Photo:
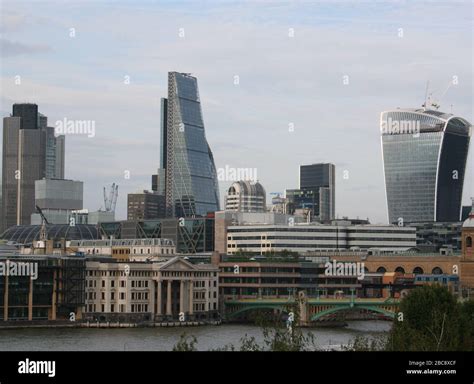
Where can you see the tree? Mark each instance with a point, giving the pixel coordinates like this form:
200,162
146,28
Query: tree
186,344
429,320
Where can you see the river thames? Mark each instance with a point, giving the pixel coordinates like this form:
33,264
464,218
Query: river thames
163,339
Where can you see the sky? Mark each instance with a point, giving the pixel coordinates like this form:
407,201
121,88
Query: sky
281,83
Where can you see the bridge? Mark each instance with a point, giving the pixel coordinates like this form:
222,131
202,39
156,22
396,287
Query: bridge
314,309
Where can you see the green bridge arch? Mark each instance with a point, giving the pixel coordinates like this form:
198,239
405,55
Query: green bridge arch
329,311
255,307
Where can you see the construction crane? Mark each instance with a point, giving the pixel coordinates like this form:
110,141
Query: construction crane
429,101
43,235
43,217
111,201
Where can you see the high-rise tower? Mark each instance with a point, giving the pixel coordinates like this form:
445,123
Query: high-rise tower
191,186
24,161
424,155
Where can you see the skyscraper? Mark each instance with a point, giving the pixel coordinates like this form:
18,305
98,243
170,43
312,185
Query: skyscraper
24,159
54,154
30,152
424,156
191,179
317,191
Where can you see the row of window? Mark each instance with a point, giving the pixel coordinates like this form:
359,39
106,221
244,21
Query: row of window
140,308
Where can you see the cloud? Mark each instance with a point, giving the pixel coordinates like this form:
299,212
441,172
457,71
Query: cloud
14,48
283,80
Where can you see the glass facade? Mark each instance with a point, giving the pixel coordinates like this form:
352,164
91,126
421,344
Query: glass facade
191,178
321,179
424,164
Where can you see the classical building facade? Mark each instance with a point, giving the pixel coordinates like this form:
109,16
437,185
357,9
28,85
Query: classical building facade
125,249
176,290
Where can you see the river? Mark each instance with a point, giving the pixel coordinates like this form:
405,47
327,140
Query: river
163,339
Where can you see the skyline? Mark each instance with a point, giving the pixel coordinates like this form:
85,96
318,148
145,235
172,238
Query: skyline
281,82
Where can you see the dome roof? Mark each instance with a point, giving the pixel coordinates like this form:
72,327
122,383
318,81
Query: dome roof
247,188
469,222
25,234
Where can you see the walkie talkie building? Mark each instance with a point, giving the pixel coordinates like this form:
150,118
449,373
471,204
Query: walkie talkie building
424,155
191,186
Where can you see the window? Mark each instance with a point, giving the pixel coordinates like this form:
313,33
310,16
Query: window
469,241
418,271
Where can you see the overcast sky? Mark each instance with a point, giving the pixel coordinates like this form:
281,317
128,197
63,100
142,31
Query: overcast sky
327,68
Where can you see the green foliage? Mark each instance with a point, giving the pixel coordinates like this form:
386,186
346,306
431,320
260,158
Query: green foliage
186,344
365,344
433,320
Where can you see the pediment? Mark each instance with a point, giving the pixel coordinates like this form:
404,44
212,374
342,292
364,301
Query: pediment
178,264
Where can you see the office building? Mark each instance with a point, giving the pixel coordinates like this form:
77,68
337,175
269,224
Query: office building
30,152
191,235
316,194
316,201
57,199
145,205
57,291
246,196
191,177
55,153
24,157
59,194
225,219
301,238
424,157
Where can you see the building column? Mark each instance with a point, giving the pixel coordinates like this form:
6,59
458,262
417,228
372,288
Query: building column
206,304
53,299
168,299
5,299
181,296
158,300
152,301
191,292
30,300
